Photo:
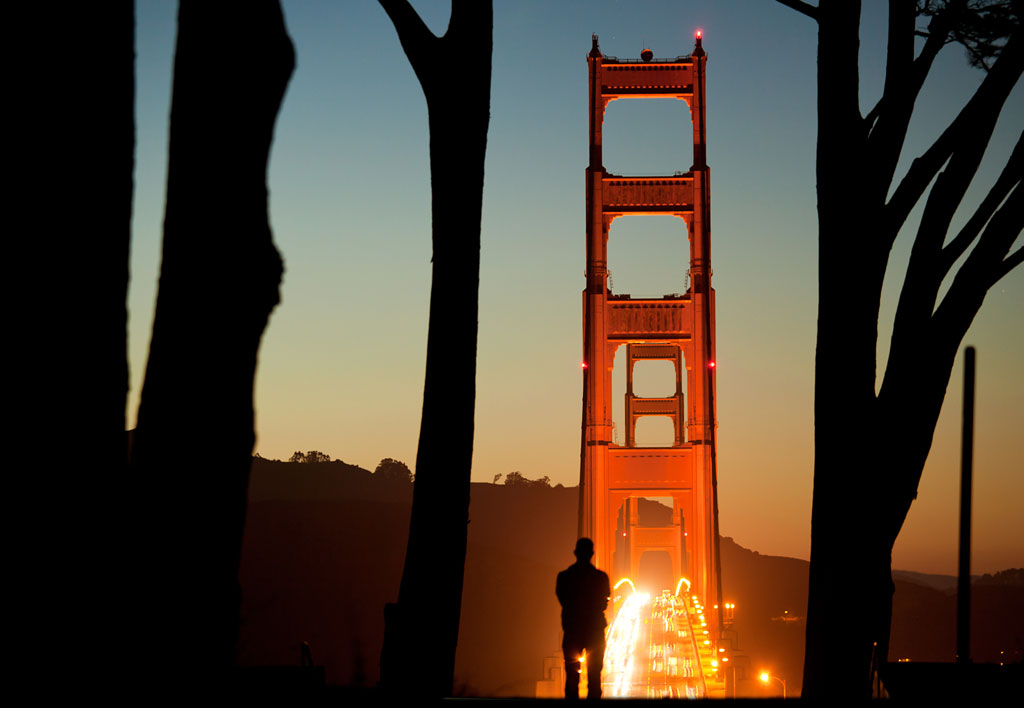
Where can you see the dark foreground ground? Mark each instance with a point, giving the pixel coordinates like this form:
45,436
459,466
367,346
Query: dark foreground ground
324,547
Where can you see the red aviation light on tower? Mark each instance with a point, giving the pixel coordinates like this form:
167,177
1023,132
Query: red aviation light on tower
700,34
583,364
711,364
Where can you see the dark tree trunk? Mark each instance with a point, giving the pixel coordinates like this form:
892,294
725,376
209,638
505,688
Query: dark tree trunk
71,145
455,73
870,450
844,370
219,282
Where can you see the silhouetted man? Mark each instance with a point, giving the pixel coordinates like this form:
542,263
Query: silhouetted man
583,591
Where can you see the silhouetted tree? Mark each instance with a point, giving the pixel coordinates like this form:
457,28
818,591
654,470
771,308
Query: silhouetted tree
391,470
219,282
455,73
70,113
312,457
516,479
850,592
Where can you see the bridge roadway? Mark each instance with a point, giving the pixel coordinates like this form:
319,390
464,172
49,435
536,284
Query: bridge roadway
652,649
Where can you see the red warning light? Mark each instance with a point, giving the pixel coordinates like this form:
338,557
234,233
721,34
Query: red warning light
711,364
583,364
700,33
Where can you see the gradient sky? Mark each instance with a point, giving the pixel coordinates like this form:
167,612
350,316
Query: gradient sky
341,365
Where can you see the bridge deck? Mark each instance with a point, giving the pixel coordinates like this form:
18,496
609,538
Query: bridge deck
654,651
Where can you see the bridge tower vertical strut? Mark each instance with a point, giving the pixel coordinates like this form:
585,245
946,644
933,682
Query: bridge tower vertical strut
675,328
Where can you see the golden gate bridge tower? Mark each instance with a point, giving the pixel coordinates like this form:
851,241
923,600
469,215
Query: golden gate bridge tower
675,328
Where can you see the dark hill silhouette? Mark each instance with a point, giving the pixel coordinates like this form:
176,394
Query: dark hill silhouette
323,552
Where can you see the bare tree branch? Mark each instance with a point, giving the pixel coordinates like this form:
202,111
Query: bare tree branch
1010,176
984,267
1009,263
801,7
413,33
980,112
928,263
937,38
887,122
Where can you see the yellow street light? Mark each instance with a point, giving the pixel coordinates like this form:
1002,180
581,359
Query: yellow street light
766,677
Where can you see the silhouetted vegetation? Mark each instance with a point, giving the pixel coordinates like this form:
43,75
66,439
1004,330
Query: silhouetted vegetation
70,107
391,470
851,586
516,479
424,623
219,280
311,457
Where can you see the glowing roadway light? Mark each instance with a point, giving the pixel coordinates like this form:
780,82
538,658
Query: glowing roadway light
624,580
680,583
622,642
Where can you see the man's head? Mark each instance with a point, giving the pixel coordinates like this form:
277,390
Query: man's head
584,549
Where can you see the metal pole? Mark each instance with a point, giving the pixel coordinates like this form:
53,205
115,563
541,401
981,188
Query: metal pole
963,593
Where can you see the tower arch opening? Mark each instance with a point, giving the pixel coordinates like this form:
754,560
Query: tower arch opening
641,137
648,256
655,572
654,431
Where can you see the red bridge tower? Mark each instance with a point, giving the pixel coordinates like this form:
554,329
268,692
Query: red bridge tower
679,328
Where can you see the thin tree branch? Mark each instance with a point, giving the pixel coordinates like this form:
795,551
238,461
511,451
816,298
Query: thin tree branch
801,7
887,122
984,267
1010,176
928,265
981,110
413,33
1009,263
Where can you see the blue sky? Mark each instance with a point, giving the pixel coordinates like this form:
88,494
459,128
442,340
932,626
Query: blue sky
341,365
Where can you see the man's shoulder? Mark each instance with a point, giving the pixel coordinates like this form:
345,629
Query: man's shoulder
583,570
